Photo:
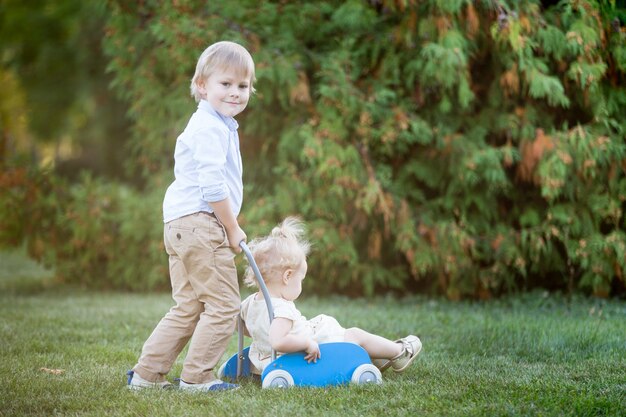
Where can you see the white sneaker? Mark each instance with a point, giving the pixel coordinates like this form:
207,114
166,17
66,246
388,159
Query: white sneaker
136,382
216,385
411,347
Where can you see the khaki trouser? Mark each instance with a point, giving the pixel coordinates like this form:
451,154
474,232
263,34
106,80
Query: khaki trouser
206,292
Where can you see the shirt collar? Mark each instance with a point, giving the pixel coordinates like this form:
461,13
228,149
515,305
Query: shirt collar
228,121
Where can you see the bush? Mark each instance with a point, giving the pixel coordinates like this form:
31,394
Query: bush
464,148
95,234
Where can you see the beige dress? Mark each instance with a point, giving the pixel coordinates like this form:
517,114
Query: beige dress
321,328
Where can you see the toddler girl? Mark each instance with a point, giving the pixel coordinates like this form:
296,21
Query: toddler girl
281,258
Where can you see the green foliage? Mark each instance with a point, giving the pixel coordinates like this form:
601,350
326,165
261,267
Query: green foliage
43,55
55,103
453,147
432,145
95,234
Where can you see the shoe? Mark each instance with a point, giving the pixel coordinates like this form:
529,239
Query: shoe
216,385
381,364
384,364
411,348
136,382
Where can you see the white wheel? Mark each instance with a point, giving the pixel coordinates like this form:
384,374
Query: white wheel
367,374
278,378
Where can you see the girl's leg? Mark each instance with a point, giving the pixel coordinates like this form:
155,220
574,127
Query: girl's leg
376,346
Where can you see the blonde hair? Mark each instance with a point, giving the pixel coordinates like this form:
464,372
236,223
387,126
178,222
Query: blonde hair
222,55
284,248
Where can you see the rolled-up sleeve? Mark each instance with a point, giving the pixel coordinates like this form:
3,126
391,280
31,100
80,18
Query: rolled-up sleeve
210,151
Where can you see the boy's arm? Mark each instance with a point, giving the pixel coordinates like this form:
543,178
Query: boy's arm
282,341
226,216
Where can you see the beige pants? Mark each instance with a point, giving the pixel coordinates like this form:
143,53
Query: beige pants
206,292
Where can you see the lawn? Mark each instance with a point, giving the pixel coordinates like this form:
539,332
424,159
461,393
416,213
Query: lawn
65,352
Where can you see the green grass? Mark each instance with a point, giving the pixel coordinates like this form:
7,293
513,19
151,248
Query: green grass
529,355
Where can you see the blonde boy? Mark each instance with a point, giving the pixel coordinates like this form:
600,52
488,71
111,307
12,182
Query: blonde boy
201,231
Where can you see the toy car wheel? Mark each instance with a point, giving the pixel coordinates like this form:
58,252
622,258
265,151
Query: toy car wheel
367,374
278,378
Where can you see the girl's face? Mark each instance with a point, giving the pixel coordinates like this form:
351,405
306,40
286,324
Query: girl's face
293,282
227,91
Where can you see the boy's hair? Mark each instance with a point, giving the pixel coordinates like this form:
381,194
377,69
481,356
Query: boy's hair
222,55
284,248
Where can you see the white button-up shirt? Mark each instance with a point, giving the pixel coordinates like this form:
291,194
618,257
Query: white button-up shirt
207,165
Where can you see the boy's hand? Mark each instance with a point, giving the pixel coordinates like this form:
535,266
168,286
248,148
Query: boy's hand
225,215
235,236
313,352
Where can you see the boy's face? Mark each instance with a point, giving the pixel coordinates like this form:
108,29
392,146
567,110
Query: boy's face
227,91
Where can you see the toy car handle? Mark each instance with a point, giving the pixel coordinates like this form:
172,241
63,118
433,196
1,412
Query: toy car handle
259,278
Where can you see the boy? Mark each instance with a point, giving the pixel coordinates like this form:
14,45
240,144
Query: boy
201,232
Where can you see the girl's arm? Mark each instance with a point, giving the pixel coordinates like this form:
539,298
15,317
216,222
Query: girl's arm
282,341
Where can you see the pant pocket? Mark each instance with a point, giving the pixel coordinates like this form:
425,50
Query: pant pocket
178,239
212,233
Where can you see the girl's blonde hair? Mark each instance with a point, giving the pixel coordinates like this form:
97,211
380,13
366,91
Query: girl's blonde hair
284,248
222,55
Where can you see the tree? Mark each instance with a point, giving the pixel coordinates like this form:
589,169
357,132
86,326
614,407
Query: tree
51,53
469,147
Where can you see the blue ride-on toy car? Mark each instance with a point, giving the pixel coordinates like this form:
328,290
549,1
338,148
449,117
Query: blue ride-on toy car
340,363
